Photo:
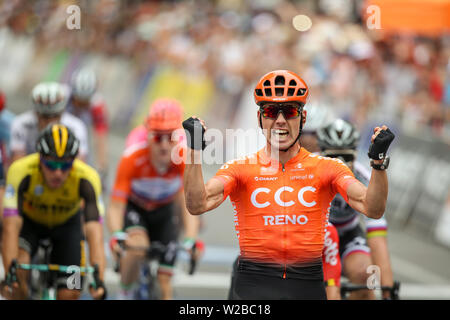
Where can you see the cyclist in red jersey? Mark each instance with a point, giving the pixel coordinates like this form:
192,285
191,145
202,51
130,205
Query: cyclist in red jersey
331,261
147,198
281,195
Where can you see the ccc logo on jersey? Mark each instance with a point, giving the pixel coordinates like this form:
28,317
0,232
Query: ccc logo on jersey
277,197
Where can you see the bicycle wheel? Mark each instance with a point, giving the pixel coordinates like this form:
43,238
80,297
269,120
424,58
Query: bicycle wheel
142,292
153,290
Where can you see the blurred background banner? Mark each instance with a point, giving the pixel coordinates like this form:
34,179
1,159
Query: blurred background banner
415,17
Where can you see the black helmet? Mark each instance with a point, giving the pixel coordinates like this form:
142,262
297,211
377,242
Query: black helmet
58,141
338,135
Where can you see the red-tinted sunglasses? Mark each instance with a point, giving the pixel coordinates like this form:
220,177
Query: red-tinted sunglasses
272,110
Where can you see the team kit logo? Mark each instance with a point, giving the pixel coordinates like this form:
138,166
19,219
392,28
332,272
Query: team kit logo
282,218
277,197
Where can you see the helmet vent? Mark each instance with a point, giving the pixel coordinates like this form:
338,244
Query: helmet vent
267,83
268,92
292,82
301,92
279,92
291,92
259,92
279,81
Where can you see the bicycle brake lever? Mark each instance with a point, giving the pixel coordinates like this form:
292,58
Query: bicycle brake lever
11,277
193,262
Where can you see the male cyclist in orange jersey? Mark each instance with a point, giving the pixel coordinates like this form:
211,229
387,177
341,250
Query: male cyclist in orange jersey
147,198
281,195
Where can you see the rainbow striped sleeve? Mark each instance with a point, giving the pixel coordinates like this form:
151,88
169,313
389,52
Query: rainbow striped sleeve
376,227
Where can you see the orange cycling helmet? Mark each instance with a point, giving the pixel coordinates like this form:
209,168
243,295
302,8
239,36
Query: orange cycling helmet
164,115
281,86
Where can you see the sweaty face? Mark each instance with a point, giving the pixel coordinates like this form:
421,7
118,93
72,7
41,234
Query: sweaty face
55,171
280,132
161,146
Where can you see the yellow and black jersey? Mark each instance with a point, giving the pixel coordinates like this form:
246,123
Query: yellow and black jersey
27,194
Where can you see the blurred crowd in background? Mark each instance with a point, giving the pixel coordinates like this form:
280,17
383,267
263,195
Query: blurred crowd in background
209,53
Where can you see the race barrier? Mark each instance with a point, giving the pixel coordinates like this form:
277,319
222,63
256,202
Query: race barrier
419,183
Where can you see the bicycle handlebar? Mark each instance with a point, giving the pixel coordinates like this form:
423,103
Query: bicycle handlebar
156,249
98,282
11,276
393,290
53,267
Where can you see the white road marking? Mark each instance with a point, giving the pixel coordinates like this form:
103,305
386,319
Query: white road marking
206,280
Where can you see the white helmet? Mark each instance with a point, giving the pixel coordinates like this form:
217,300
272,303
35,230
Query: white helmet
84,84
339,134
49,98
317,116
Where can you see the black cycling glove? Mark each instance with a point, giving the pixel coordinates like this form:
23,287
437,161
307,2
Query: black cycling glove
381,144
100,284
195,134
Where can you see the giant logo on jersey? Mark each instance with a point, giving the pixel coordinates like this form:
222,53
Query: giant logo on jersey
277,197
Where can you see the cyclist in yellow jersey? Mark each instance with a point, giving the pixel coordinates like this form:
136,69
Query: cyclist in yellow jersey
43,196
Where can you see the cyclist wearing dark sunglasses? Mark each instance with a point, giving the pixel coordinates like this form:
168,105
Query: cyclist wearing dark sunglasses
43,199
281,195
359,248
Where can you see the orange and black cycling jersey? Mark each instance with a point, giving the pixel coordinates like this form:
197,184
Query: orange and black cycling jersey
139,182
281,211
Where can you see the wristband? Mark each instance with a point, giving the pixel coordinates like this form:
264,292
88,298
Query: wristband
381,166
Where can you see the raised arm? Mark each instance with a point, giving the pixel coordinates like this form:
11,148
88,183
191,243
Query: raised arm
200,197
371,201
